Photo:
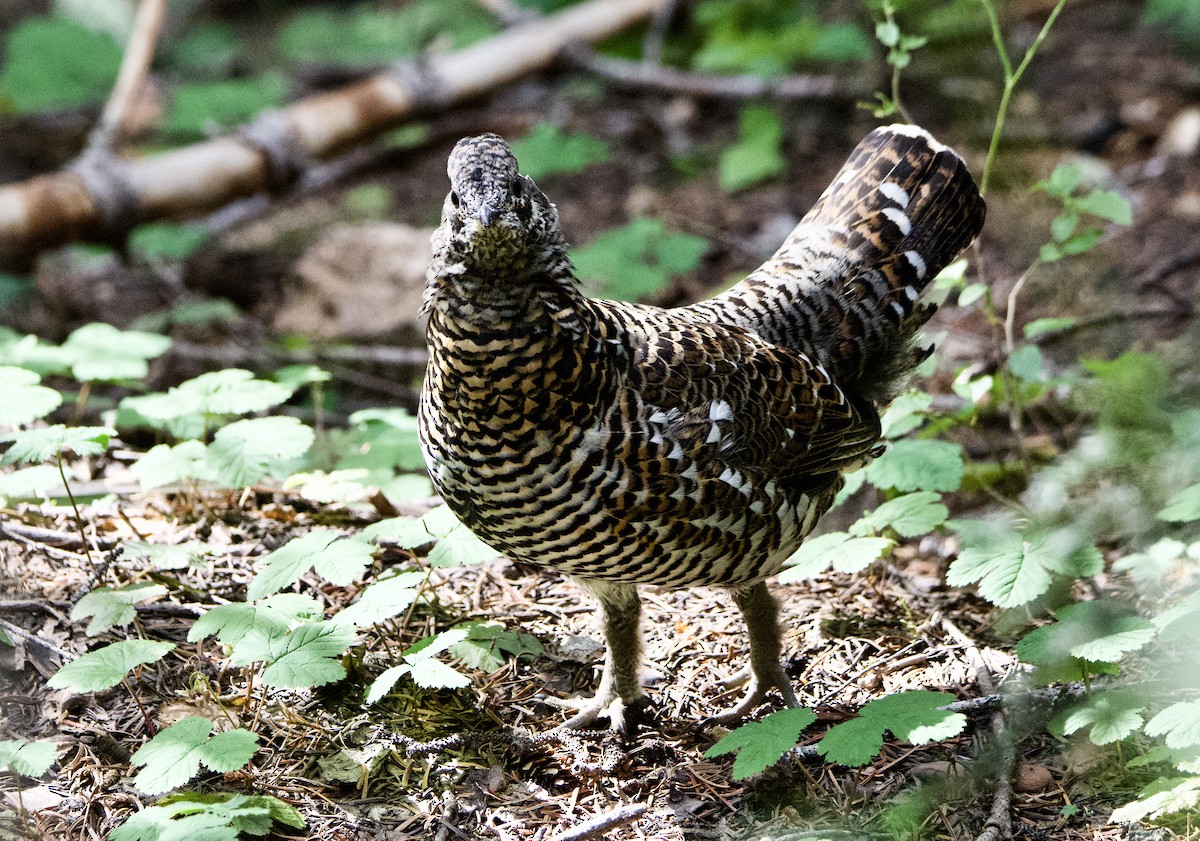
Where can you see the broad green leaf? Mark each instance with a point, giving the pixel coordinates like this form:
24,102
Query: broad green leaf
1011,569
914,716
420,662
50,62
107,666
32,759
1041,326
107,606
340,486
231,391
905,413
757,155
196,106
102,352
1026,362
195,816
971,293
307,656
837,549
298,376
24,400
1183,507
31,482
1171,795
164,465
382,685
175,754
335,558
169,241
32,446
1105,204
488,644
852,743
761,744
1181,621
381,441
547,150
910,515
385,599
246,451
272,617
1087,632
1179,724
1111,717
918,465
1063,180
460,547
164,555
638,259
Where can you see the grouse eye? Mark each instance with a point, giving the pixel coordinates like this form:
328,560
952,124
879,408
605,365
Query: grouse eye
454,199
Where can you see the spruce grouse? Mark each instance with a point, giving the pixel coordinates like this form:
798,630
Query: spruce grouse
625,444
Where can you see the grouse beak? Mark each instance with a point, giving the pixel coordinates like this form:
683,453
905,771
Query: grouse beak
488,213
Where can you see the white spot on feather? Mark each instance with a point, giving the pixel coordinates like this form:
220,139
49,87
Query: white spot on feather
659,416
917,263
894,192
719,410
731,477
714,434
899,309
676,452
899,219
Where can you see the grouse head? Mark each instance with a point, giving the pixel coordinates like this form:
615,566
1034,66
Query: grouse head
496,224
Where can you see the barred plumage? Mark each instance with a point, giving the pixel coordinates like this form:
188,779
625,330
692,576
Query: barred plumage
626,444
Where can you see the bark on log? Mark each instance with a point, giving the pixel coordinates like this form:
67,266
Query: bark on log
101,198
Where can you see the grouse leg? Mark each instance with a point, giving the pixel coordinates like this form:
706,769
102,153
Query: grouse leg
619,689
761,613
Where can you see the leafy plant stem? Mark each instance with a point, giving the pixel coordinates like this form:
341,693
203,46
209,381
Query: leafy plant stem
889,13
150,728
75,507
1011,78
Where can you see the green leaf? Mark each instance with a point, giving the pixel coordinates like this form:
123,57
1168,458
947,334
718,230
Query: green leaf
298,376
459,547
31,482
31,446
905,413
1013,569
420,662
887,33
547,150
108,607
1183,507
50,62
913,716
175,754
107,666
1106,204
1083,241
102,352
340,486
1111,716
761,744
1041,326
336,559
165,465
1026,363
306,656
383,440
1063,180
197,106
910,515
382,685
488,645
1087,632
638,259
1063,226
1169,796
757,156
24,400
231,391
164,555
271,617
195,816
31,759
971,293
385,599
918,465
246,451
1179,724
1181,621
837,549
168,241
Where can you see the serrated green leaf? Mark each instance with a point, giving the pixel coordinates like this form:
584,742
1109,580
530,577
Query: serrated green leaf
50,62
340,486
852,743
306,656
107,606
918,465
272,617
547,150
1183,507
1098,631
1181,621
910,515
382,685
31,482
32,759
761,744
164,465
166,556
459,547
231,391
334,557
1174,795
916,716
637,259
1179,724
103,352
246,451
385,599
31,446
1111,717
24,400
905,413
837,549
107,666
1009,569
431,673
488,644
175,754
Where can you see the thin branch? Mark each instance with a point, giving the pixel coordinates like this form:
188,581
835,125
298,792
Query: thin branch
645,75
131,78
597,826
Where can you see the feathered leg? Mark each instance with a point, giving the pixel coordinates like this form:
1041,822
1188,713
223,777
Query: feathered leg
619,689
761,613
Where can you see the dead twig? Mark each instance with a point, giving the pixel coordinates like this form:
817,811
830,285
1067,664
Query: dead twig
131,78
597,826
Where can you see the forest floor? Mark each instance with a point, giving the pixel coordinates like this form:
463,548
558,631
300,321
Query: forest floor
480,762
